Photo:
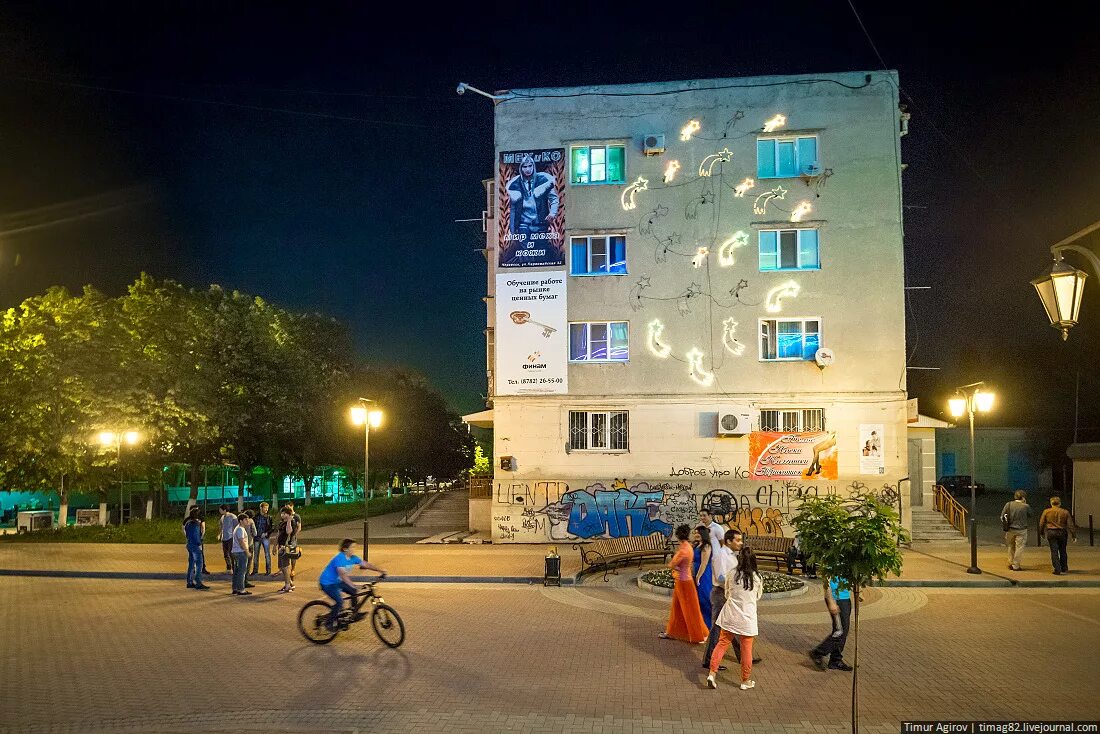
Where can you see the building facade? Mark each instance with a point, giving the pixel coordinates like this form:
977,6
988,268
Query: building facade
695,299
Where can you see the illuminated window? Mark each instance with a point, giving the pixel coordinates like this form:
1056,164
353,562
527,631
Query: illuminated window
595,430
789,249
786,157
599,164
598,255
598,341
789,339
792,420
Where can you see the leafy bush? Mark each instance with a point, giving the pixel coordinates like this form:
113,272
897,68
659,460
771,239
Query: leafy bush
773,582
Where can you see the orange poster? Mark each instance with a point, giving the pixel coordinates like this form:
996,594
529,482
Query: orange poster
792,455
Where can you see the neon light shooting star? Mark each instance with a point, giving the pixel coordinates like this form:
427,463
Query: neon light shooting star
653,340
695,368
801,211
729,341
700,257
774,302
670,171
630,193
689,129
760,206
707,166
742,188
775,123
725,250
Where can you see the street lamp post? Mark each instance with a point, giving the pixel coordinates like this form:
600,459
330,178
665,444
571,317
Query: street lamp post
361,415
116,438
1061,289
970,399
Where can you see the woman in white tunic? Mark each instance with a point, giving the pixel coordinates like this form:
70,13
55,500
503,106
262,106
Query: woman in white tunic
738,617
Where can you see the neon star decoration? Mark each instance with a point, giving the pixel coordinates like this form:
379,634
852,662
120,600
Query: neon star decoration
653,340
725,250
800,211
775,123
760,206
670,171
689,129
707,166
742,188
729,341
630,193
695,368
774,302
700,257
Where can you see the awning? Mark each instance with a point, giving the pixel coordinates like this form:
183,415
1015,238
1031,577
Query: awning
484,419
924,421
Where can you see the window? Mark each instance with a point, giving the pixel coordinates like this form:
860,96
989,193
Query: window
598,255
789,249
599,164
789,338
786,157
599,430
792,420
598,341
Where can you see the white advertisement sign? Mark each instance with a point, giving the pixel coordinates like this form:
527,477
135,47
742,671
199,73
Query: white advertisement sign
871,459
532,334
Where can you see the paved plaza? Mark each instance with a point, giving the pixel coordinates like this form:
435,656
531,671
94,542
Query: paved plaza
140,655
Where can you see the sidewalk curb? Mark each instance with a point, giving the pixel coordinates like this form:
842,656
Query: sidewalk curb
181,576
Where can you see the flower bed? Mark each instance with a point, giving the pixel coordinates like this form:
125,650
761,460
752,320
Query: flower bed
773,582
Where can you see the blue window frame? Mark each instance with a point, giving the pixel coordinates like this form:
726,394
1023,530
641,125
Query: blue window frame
789,339
789,249
786,157
598,255
599,341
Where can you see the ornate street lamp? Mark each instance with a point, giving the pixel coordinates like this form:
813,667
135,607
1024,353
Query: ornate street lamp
361,415
1061,289
970,399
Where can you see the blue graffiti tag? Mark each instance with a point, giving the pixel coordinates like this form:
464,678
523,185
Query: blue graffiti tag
597,511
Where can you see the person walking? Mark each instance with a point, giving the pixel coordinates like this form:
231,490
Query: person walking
262,540
240,550
286,527
1056,524
838,600
246,521
193,532
1016,516
744,587
717,532
228,523
295,528
722,563
685,621
701,560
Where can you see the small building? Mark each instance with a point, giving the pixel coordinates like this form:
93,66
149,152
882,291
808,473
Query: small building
1007,458
1086,481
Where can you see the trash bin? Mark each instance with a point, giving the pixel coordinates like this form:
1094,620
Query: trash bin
552,574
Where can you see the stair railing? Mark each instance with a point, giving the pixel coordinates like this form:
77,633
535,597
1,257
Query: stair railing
950,508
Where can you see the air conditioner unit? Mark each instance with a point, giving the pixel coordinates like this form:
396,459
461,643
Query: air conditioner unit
734,421
653,144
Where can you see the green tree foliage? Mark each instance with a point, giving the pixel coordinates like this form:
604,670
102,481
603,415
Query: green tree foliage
206,377
856,540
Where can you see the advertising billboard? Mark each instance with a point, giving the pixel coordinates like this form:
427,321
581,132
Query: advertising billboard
531,208
532,347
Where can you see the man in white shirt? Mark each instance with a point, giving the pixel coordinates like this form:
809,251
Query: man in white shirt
723,562
717,532
241,549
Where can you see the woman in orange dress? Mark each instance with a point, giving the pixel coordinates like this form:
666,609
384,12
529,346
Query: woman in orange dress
685,620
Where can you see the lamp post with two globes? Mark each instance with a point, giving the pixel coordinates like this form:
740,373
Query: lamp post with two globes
968,400
362,415
107,439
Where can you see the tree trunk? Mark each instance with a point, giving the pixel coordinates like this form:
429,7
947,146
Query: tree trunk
307,483
193,496
855,660
63,507
103,511
240,489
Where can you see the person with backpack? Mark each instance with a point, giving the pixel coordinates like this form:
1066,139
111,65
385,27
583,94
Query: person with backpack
1015,519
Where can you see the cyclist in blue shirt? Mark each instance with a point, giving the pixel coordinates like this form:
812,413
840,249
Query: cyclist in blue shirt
336,577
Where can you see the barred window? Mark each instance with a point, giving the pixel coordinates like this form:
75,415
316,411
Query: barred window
595,430
792,420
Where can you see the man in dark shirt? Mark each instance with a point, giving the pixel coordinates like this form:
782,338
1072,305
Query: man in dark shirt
192,530
264,526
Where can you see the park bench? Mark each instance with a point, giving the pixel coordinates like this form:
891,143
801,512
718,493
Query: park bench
606,553
769,547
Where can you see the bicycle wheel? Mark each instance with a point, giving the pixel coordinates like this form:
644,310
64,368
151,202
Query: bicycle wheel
388,625
312,622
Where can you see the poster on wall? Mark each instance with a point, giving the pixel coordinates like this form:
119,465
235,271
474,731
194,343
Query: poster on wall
531,208
871,459
807,456
532,348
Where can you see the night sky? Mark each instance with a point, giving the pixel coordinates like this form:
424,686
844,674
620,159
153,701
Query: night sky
318,157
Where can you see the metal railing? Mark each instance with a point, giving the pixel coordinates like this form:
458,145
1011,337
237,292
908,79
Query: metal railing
950,508
480,487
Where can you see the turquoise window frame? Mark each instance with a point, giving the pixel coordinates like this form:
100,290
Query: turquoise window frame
807,243
795,150
582,163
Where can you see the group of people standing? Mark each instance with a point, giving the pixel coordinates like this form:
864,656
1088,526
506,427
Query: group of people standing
1055,524
714,601
243,536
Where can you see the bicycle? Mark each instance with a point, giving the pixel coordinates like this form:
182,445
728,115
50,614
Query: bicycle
313,619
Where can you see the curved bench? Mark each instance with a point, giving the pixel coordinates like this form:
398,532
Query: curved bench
606,553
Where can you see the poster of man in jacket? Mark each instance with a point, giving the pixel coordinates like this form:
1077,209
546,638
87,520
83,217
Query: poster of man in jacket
531,212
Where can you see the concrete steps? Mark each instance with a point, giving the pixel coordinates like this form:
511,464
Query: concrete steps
450,512
931,526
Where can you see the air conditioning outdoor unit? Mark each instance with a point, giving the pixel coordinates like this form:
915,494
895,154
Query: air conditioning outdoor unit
653,144
734,421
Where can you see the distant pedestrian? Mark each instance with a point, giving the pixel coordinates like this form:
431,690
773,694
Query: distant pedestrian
240,550
285,549
685,621
723,563
192,531
1057,525
744,587
701,555
228,523
249,524
1016,515
796,558
838,600
264,526
296,527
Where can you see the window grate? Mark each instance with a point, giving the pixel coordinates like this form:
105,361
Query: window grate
599,430
792,420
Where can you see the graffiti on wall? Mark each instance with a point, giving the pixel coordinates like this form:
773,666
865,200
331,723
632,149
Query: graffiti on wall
537,511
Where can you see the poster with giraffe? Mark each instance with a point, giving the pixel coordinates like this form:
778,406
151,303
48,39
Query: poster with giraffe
531,208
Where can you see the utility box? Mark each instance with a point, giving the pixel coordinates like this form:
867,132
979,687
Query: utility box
29,520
